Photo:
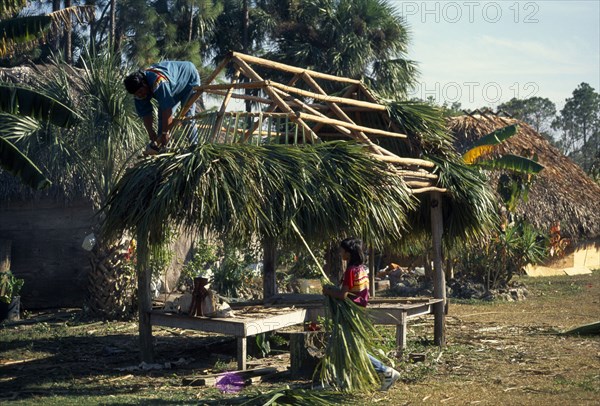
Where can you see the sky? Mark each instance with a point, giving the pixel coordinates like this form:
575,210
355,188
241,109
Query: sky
483,53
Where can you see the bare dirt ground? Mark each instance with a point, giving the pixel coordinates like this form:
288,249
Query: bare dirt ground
496,354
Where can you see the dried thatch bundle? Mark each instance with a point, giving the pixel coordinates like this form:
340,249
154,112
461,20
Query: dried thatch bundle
562,192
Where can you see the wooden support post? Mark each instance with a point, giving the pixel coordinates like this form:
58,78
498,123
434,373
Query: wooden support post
439,281
401,334
241,353
372,272
144,275
269,261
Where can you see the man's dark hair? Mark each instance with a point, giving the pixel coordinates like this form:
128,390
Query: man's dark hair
135,81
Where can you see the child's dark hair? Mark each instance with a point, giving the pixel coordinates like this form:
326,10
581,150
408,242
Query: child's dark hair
354,246
134,81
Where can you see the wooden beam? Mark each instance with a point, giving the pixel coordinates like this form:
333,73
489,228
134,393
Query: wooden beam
359,130
236,85
249,72
327,98
417,184
291,69
331,121
439,282
372,272
221,113
271,109
429,189
257,99
406,161
415,174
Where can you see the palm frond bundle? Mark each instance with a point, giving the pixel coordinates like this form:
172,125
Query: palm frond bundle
346,365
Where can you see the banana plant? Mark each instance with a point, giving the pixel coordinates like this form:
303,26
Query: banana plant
22,101
484,146
511,188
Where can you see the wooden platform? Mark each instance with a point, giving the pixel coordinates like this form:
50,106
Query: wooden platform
248,322
256,319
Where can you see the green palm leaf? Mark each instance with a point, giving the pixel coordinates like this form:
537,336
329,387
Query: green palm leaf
32,103
13,161
485,144
513,163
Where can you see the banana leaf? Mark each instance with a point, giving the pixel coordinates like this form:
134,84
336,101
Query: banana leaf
32,103
513,163
13,161
485,144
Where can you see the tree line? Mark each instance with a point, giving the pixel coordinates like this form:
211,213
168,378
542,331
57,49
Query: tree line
575,129
360,39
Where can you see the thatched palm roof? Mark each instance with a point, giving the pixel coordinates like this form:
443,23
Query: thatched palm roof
562,192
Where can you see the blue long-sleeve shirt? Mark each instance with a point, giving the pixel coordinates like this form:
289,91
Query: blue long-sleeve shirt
171,82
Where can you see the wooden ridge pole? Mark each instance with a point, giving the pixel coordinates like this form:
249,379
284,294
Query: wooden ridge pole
291,69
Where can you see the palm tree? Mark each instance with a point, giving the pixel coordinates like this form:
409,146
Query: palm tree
88,157
360,39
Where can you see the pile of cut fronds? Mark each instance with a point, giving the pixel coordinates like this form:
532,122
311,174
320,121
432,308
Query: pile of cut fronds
346,365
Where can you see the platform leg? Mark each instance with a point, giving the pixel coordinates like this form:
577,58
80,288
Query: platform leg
241,353
401,334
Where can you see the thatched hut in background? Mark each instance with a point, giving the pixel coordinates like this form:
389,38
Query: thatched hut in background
562,193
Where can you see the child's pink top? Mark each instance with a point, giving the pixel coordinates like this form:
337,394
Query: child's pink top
356,279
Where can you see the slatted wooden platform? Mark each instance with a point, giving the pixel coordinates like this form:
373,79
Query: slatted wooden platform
249,321
280,313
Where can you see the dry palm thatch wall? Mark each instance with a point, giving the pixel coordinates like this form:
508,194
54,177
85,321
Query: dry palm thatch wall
562,192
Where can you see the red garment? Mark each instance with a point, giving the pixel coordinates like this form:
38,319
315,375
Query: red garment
356,279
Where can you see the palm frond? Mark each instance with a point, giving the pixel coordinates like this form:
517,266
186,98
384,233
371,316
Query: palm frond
26,32
33,103
9,8
327,190
16,163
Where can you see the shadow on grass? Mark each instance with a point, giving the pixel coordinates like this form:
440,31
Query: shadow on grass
49,359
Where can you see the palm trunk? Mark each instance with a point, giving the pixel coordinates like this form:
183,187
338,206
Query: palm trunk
69,29
113,24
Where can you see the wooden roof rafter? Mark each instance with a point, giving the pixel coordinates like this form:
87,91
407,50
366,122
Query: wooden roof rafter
323,114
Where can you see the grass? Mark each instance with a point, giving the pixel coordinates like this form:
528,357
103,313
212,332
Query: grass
496,353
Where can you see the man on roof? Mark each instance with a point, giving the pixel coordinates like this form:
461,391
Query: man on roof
170,83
